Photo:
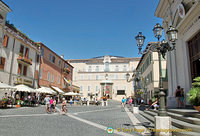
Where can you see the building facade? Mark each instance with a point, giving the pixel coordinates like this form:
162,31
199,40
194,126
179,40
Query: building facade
149,68
104,76
18,54
4,9
183,63
54,70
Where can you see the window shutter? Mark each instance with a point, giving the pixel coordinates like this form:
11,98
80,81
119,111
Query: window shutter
36,74
2,63
25,70
26,53
5,41
19,69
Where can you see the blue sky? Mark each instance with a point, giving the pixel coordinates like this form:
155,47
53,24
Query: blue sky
86,28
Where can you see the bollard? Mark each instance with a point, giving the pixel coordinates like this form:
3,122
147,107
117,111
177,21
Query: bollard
88,103
106,103
102,103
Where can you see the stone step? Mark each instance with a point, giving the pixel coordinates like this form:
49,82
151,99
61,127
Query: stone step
151,119
186,112
178,123
186,118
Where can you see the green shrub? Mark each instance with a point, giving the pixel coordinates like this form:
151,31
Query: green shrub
193,96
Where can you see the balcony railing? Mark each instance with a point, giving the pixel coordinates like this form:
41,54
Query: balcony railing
24,60
67,70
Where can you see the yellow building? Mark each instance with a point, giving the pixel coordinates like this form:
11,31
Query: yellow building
104,75
149,68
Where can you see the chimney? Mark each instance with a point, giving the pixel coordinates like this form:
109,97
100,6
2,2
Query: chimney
62,56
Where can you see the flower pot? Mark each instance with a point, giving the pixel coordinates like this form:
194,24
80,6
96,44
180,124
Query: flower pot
197,108
18,106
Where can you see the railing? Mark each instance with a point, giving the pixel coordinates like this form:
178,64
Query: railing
24,59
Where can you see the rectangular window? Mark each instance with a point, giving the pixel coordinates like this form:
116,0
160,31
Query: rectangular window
81,77
90,69
48,76
116,68
97,88
58,81
50,57
124,87
88,77
81,88
42,52
107,67
2,63
124,69
97,77
5,41
88,88
21,51
116,76
51,77
59,63
54,59
25,71
120,92
97,68
38,58
41,74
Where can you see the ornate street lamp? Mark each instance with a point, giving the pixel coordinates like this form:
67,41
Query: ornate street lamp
158,30
162,48
140,41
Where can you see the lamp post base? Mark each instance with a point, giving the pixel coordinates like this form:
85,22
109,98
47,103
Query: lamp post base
135,110
162,126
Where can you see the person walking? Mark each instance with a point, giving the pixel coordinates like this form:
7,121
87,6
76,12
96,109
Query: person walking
54,105
51,104
182,98
130,101
63,107
47,101
123,102
70,102
178,96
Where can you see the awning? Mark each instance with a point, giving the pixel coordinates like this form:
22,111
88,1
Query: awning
67,81
24,88
71,94
5,86
46,90
58,90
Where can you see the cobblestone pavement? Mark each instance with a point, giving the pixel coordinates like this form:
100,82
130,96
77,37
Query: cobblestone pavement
81,121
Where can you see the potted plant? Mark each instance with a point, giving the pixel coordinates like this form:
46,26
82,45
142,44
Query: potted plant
18,103
193,95
67,70
20,56
30,61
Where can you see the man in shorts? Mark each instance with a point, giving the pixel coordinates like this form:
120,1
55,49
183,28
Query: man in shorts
47,101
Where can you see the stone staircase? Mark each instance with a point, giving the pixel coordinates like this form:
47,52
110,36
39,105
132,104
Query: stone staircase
181,119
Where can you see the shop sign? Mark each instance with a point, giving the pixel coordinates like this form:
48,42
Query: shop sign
28,82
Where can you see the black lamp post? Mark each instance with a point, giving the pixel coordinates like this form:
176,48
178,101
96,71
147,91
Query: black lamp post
162,48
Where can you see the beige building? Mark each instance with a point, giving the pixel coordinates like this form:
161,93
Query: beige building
4,9
149,68
90,76
19,58
183,63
